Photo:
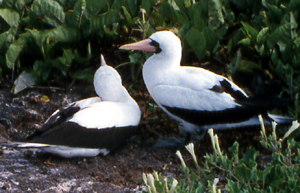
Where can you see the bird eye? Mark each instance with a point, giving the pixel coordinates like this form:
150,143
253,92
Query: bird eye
156,45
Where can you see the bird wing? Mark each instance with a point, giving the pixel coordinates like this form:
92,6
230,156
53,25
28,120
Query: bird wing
95,126
198,89
202,97
63,114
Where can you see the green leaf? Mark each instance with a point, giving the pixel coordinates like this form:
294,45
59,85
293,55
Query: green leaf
294,26
262,36
250,156
117,4
234,150
147,5
245,41
62,33
6,38
244,172
249,31
196,18
263,173
50,11
78,12
215,13
132,7
106,19
176,15
64,62
10,16
287,53
95,7
233,187
127,15
211,38
86,74
197,42
24,81
15,49
276,35
277,13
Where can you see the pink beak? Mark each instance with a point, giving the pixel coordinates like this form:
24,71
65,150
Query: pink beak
143,45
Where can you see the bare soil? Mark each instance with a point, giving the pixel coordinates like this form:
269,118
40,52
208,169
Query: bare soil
120,171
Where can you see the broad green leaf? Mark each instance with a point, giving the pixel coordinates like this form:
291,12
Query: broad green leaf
235,64
197,42
86,74
249,31
132,8
196,18
51,11
294,26
215,13
262,36
15,49
19,5
287,53
127,15
293,6
222,31
211,39
276,35
245,41
6,38
233,187
229,16
249,67
93,7
105,19
263,173
64,62
117,4
175,15
147,5
60,63
10,16
181,4
78,12
277,13
250,156
62,33
79,58
244,172
234,150
24,81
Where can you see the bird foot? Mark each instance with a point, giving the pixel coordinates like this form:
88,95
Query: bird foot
170,142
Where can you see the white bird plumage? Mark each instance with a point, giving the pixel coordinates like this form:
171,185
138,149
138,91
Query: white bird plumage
196,92
90,126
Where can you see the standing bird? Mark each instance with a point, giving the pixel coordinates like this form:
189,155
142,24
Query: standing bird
90,126
197,98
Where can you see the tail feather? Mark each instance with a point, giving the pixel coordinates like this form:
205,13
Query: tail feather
282,120
25,145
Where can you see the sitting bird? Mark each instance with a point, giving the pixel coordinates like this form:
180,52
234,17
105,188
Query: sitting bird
90,126
197,98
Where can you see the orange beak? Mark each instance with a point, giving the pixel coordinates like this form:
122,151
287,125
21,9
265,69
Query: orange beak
143,45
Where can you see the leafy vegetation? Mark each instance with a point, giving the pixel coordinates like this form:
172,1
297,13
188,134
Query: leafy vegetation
49,41
46,40
246,174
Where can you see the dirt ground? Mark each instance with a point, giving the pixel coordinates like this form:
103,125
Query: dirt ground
120,171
